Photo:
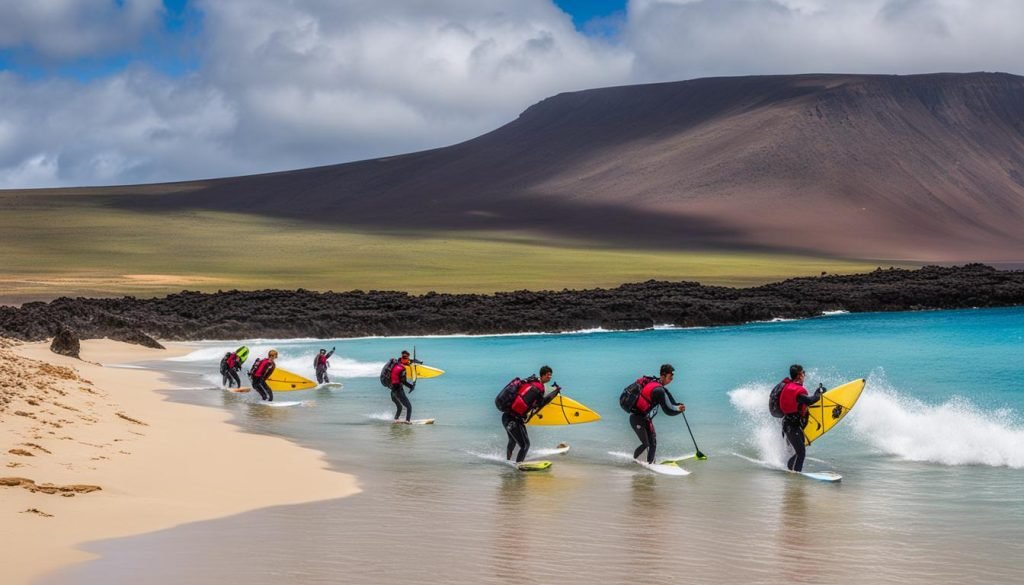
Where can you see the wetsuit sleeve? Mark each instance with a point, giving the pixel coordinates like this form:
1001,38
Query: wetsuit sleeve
330,353
403,381
547,399
665,400
808,399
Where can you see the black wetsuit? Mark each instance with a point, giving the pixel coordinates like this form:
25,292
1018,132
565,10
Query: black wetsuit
515,424
260,384
229,374
643,423
321,369
793,429
399,398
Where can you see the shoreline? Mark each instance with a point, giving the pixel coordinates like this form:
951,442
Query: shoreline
283,314
71,425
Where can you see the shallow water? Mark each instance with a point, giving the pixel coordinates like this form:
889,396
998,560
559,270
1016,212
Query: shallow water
932,460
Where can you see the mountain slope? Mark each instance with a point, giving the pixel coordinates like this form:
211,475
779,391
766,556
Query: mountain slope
924,167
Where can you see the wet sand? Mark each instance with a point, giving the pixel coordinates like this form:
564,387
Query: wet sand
93,451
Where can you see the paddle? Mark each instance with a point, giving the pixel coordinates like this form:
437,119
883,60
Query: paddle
700,456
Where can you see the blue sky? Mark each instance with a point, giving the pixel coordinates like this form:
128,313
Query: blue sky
97,92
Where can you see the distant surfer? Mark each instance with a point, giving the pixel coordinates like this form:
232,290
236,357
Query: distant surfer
229,368
320,365
650,394
793,401
398,385
261,370
528,398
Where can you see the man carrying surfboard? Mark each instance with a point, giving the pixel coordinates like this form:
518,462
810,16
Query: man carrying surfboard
320,365
398,385
229,367
650,394
519,404
793,401
261,370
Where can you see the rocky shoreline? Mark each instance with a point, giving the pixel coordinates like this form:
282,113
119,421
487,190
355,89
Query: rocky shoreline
301,313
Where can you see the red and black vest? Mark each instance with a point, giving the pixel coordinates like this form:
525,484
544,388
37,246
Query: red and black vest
645,401
263,369
396,373
233,361
321,360
527,397
787,399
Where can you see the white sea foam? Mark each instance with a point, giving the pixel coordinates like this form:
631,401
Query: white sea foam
291,359
955,432
834,313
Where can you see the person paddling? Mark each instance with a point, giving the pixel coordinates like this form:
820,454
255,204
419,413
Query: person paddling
260,372
793,401
398,385
529,398
652,394
320,365
229,367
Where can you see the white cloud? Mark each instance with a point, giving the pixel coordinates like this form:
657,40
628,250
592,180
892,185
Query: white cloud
64,29
310,82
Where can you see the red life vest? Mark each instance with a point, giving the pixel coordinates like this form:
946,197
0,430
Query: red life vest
527,397
787,399
232,361
263,369
396,373
321,360
645,402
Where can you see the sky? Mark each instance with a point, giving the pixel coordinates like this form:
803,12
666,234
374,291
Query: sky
103,92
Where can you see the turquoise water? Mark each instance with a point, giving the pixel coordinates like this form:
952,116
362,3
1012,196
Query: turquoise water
932,459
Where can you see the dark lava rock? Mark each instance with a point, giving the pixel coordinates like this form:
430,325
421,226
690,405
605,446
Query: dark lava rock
302,313
66,342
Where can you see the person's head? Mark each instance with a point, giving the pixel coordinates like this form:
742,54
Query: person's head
667,373
545,374
796,373
228,354
405,357
322,351
272,354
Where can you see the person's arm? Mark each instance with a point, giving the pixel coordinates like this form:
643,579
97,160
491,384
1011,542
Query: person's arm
808,400
667,402
549,397
330,353
402,379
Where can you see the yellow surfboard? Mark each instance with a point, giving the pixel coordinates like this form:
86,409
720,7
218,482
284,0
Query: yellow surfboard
285,381
416,371
563,411
833,406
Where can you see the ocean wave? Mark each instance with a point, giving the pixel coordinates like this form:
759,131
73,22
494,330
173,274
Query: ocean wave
956,432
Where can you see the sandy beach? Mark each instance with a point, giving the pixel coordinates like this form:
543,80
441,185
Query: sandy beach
91,452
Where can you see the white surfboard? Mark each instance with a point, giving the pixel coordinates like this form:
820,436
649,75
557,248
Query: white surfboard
415,421
332,385
829,476
665,468
281,404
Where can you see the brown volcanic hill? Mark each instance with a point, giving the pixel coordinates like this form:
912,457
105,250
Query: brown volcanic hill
921,167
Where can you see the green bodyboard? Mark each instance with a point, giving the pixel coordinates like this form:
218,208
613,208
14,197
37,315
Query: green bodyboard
242,353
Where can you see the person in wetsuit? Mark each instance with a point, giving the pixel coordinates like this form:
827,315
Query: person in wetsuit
794,402
229,367
529,399
653,394
261,370
398,385
320,365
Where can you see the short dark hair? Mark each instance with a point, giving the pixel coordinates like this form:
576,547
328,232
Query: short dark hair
795,370
405,353
667,369
545,370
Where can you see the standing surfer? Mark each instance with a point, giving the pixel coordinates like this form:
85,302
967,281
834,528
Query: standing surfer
398,384
320,365
649,394
520,400
793,401
261,370
229,367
